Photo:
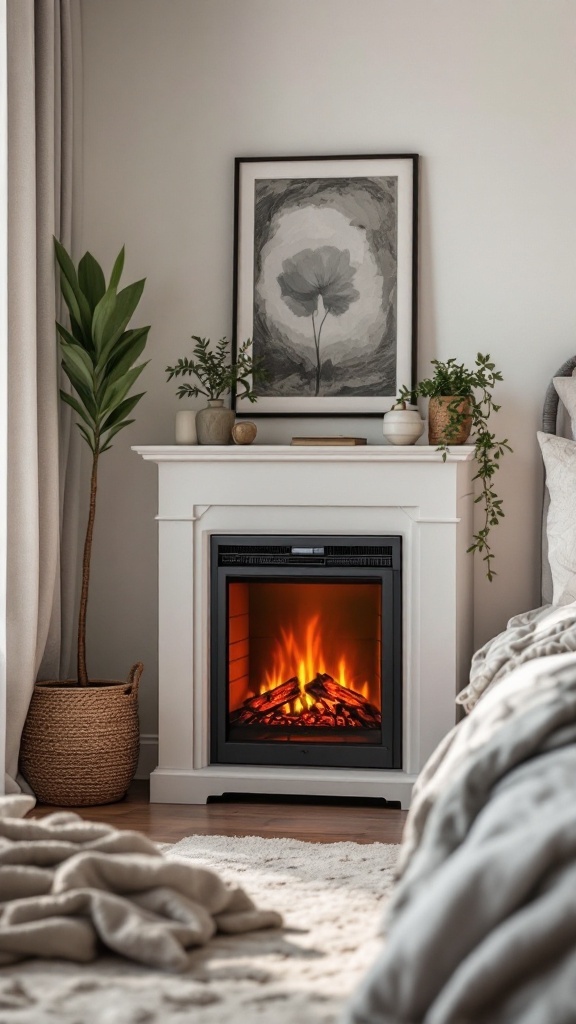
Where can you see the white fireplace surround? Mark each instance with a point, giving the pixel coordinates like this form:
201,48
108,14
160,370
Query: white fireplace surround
274,489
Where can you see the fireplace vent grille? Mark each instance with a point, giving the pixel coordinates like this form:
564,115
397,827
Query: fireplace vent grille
338,556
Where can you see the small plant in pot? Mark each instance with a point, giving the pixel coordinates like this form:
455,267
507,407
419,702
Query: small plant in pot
461,404
81,737
217,375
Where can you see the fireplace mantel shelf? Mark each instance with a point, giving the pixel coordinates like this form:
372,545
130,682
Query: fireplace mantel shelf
302,453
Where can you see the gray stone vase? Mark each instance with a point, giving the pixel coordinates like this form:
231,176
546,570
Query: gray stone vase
214,423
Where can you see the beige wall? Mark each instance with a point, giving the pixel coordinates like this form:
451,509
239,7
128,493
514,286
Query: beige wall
484,90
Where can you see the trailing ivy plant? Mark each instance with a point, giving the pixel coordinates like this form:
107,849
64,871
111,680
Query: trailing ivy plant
216,373
477,385
98,357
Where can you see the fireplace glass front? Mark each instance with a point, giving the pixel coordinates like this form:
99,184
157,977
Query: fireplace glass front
306,658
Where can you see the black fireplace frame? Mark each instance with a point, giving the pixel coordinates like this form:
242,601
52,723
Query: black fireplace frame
305,567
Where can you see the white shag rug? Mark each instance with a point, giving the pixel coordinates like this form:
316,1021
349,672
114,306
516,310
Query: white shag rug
332,897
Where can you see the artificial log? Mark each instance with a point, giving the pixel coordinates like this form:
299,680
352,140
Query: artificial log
275,698
243,717
334,706
368,716
324,687
339,699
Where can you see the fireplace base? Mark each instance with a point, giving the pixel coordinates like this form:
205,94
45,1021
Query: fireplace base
195,787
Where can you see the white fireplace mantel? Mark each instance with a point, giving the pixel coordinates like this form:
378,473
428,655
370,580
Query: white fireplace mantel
274,489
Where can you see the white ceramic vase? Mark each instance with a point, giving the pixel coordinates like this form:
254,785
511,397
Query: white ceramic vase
402,425
185,427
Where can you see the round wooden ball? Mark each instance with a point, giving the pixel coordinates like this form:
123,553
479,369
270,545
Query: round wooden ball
244,432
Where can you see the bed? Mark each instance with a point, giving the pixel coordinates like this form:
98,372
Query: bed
481,928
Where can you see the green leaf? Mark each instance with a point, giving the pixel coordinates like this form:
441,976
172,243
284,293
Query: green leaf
70,338
77,363
112,314
85,394
73,296
117,392
75,404
71,301
88,436
117,270
75,380
102,313
79,355
129,348
91,280
122,410
113,432
82,339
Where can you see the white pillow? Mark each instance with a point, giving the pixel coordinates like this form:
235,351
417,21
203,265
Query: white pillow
566,391
559,456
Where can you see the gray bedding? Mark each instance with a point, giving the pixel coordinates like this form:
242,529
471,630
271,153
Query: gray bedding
482,926
533,634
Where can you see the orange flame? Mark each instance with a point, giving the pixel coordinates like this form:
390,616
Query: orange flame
303,656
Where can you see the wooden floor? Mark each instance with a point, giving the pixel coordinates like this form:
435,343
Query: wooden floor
316,821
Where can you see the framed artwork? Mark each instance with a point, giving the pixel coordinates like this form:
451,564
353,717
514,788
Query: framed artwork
325,281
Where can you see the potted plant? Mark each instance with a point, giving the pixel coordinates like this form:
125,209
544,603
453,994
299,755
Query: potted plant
461,404
217,375
80,740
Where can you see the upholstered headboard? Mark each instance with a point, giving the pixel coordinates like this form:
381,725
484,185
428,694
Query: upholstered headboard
551,402
551,425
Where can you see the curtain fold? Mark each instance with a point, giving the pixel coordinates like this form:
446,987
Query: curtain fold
40,116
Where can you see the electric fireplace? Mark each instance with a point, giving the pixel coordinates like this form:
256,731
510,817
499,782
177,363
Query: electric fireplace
306,651
283,493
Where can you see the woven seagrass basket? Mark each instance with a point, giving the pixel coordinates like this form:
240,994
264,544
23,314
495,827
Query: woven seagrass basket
80,744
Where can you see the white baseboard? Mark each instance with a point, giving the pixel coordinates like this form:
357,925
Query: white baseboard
148,759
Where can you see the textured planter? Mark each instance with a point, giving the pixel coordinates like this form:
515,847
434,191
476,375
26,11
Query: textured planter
80,744
214,424
439,418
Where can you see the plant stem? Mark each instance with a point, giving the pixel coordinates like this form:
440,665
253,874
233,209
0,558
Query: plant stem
317,355
317,346
81,662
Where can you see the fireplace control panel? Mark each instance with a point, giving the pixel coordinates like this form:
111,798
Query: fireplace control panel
327,555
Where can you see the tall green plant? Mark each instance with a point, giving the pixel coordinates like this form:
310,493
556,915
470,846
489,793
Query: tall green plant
98,357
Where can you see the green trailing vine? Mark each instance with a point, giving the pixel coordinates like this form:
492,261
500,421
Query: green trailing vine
476,385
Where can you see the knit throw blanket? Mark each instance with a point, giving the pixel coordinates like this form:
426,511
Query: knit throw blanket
74,889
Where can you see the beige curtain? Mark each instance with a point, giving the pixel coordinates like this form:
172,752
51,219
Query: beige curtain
41,43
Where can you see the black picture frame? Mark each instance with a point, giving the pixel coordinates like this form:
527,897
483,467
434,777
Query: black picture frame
325,281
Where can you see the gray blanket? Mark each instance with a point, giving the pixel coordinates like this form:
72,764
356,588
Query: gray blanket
70,888
534,634
482,927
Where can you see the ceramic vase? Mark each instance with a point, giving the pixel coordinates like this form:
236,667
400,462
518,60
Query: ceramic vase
244,432
402,425
185,427
214,423
439,415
